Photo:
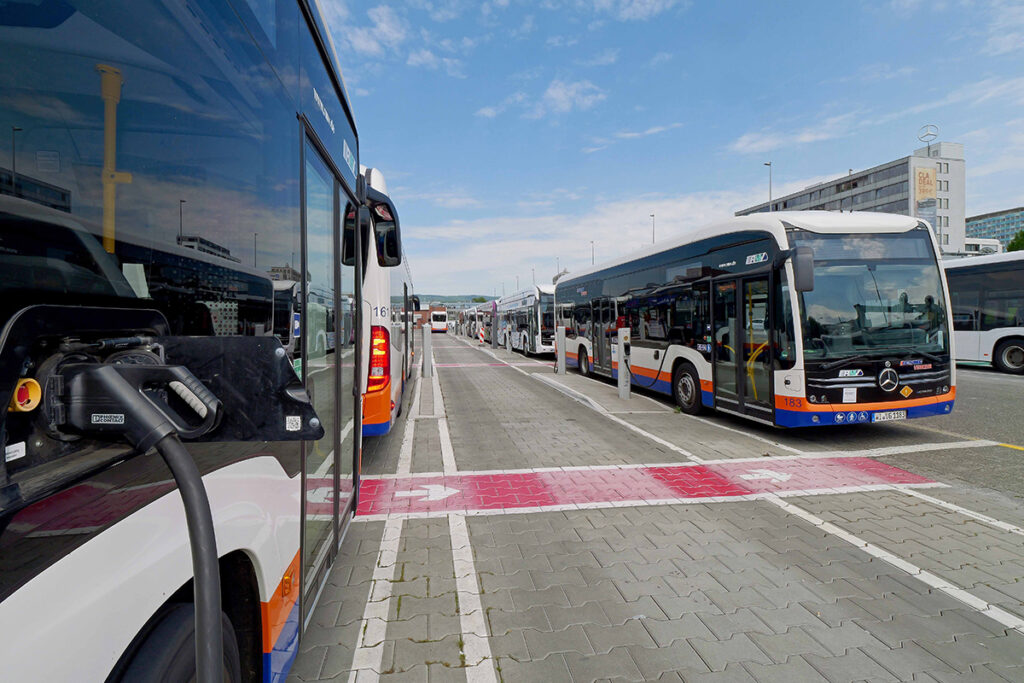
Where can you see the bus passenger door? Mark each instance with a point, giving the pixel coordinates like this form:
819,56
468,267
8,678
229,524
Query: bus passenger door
603,318
726,346
756,355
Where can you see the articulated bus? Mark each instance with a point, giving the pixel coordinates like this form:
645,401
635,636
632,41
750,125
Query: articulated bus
388,302
439,321
151,124
528,317
988,309
791,319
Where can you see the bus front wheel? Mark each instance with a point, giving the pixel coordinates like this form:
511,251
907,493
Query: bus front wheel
1009,356
686,389
168,654
584,362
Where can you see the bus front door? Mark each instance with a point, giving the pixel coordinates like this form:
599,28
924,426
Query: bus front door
742,365
604,320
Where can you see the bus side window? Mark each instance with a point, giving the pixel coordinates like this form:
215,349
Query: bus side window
702,318
582,315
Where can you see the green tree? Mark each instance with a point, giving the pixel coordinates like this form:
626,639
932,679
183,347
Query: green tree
479,299
1017,243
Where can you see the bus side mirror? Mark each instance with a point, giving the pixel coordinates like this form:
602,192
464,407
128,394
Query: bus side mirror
386,231
803,269
360,217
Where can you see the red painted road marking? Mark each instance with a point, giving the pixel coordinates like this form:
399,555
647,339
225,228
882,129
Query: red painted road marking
552,488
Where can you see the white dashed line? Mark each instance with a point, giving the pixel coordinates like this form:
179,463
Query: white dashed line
936,582
369,652
405,451
476,647
991,521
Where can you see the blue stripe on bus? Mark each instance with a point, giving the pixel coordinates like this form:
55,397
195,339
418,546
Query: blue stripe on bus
277,663
707,398
796,418
376,428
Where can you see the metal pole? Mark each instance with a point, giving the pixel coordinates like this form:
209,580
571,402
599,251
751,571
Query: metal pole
560,349
254,236
591,252
769,165
428,360
623,353
181,202
652,228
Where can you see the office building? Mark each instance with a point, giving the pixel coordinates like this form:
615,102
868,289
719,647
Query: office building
928,184
1000,225
206,246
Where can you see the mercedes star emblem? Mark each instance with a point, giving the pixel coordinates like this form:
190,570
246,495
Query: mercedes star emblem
888,380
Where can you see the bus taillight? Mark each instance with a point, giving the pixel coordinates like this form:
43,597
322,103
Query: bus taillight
380,358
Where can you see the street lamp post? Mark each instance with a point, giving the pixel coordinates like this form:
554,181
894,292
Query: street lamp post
517,283
181,202
254,236
591,252
769,165
14,161
533,271
652,228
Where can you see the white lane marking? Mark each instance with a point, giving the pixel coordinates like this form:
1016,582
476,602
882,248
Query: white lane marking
447,452
937,582
405,450
664,408
641,502
991,521
436,382
369,653
476,647
747,435
571,393
427,492
913,448
770,475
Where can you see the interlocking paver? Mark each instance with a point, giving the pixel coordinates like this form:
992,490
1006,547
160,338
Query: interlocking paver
616,665
717,654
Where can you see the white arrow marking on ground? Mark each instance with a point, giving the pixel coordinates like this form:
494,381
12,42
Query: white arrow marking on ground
428,492
770,475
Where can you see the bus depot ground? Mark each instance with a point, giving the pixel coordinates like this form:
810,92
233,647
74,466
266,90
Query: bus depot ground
519,525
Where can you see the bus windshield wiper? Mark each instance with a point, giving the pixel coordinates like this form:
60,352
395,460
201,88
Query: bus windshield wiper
846,361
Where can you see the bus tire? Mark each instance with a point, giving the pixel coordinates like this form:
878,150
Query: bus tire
584,362
526,349
168,654
686,389
1009,356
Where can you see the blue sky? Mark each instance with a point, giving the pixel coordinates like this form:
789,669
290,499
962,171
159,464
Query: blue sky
512,133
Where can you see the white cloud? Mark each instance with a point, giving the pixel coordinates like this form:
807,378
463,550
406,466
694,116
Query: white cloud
603,58
660,58
767,140
491,111
870,73
1006,30
562,97
603,143
387,31
561,41
428,60
459,256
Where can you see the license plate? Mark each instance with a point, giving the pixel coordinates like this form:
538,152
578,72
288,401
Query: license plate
889,415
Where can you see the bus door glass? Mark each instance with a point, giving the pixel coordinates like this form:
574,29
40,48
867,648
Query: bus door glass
320,366
726,337
755,371
604,319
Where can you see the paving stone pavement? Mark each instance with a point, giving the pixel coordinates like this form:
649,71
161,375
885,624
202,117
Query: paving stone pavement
724,591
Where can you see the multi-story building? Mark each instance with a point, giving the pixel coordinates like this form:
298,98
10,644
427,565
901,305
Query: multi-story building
1000,225
928,184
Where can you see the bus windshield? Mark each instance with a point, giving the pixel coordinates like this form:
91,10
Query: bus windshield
875,294
547,311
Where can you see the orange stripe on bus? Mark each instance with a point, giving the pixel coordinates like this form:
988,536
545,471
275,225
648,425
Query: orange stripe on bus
377,405
801,404
276,610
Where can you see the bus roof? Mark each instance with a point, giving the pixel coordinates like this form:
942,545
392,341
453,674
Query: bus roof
773,223
988,259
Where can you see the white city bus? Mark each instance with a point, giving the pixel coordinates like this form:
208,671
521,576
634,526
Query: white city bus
528,318
988,309
439,321
792,319
388,302
197,117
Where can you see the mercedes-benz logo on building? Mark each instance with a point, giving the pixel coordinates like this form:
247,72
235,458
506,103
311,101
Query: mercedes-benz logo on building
888,380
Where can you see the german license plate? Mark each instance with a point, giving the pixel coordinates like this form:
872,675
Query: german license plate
889,415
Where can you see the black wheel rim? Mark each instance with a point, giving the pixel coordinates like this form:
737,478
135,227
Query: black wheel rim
1013,356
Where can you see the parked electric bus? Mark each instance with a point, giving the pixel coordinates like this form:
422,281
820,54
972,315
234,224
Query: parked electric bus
388,302
480,319
790,318
528,317
439,321
149,124
988,309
